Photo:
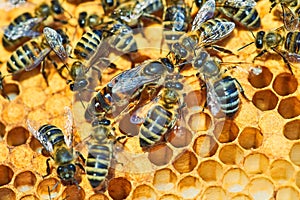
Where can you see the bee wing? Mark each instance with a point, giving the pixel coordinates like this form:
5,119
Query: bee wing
12,4
68,127
212,100
206,12
54,40
32,127
290,19
217,32
39,59
237,3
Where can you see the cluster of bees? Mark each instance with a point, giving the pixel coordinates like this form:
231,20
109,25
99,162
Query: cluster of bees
160,79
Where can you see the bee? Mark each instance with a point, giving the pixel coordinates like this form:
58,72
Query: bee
204,33
241,11
85,20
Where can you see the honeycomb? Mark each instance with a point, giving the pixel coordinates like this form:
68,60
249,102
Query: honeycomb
253,156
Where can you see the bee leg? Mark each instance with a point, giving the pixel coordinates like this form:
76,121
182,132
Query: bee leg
222,49
240,88
43,71
48,168
284,59
259,54
60,70
49,192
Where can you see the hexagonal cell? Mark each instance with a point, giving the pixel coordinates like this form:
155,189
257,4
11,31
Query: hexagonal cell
180,137
29,197
287,192
235,180
199,121
210,170
142,192
261,188
205,146
25,181
294,153
297,179
73,192
170,197
2,131
185,162
282,171
195,98
6,174
128,128
256,163
46,186
285,84
7,194
98,197
241,197
11,90
291,130
250,138
164,179
289,108
35,145
262,79
17,136
119,188
160,155
226,131
265,100
189,187
214,193
231,154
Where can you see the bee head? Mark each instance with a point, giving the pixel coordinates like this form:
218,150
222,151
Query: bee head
66,172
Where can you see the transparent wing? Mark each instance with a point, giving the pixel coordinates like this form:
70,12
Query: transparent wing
212,100
12,4
68,127
206,12
290,19
237,3
38,60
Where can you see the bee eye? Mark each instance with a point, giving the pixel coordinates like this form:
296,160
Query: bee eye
71,167
60,169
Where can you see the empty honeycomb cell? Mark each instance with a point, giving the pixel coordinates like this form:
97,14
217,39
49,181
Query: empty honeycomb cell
241,197
189,187
7,194
11,90
17,136
29,197
35,145
265,100
6,174
291,130
199,121
287,192
164,179
195,98
282,171
256,163
210,170
2,131
205,146
289,108
214,193
143,192
13,113
160,155
250,138
119,188
180,137
294,154
128,128
46,186
170,197
285,84
98,197
235,180
226,131
261,188
231,154
34,97
185,162
25,181
262,79
73,192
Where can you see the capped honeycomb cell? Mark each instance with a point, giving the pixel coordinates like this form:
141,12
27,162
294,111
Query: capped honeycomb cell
265,100
231,154
160,154
214,193
287,192
4,152
185,162
199,121
29,197
241,197
189,187
55,103
46,186
195,98
11,90
17,136
250,138
34,97
119,188
7,194
180,137
169,197
164,179
25,181
262,79
291,130
235,180
2,131
6,174
142,192
226,131
73,192
205,146
256,163
285,84
13,113
21,156
261,188
210,170
128,128
98,197
289,108
281,171
297,178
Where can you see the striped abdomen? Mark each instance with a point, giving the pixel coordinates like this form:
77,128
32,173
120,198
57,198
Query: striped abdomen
52,134
206,27
98,163
156,124
292,42
24,56
227,95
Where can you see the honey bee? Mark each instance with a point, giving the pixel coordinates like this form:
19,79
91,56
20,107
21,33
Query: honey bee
85,20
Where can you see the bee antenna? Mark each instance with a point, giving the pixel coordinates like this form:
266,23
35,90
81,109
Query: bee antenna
245,46
252,34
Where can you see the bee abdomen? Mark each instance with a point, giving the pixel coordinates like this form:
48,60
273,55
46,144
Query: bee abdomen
51,133
292,42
